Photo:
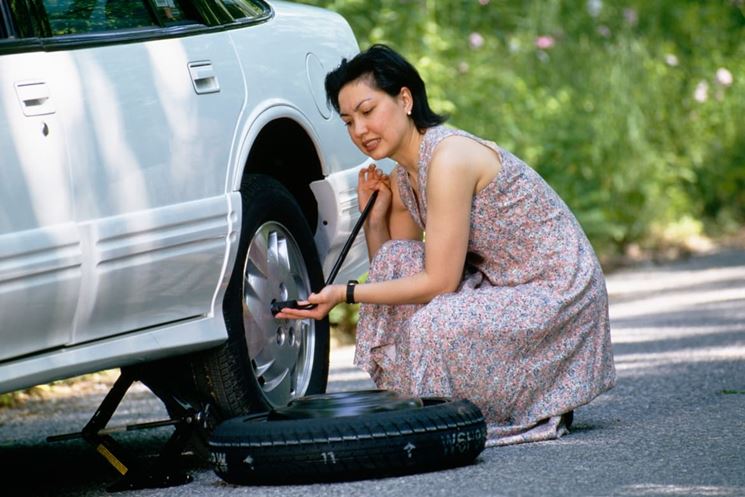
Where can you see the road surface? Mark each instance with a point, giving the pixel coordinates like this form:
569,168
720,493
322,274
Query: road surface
673,426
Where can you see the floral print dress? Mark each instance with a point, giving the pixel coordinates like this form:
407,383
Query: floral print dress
526,335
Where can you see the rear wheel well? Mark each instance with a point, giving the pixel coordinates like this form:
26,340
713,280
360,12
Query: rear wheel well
284,151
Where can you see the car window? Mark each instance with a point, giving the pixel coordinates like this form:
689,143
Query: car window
4,26
28,13
245,9
90,16
170,12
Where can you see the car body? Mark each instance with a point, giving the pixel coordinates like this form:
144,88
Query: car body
130,131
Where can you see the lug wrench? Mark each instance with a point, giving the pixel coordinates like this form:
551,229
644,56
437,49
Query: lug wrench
277,306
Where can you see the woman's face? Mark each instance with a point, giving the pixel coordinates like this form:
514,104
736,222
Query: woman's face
376,121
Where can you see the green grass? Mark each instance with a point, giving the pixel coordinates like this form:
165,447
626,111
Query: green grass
732,392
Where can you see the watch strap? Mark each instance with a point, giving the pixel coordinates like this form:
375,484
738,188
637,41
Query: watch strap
350,291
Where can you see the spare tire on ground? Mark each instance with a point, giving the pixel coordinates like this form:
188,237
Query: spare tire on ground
347,435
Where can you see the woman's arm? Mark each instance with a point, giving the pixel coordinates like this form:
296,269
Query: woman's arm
450,189
376,226
389,218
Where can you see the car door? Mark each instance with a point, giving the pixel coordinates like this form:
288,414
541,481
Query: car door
149,151
40,250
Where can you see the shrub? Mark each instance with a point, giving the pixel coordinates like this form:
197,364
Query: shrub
632,112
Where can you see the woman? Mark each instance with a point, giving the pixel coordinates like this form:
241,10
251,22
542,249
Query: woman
503,302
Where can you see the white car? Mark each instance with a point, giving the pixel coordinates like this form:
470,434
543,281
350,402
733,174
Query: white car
169,168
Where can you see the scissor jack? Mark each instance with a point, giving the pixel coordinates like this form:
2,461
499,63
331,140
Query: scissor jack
138,474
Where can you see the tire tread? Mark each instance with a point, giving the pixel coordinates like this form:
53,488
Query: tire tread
369,445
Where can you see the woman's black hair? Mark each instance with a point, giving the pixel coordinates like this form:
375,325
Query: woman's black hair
389,72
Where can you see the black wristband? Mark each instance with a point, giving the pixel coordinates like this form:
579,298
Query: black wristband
350,291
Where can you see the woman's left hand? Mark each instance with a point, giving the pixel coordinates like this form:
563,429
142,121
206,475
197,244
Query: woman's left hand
325,300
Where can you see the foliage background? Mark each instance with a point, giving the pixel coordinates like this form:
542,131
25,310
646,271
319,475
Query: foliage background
632,110
599,97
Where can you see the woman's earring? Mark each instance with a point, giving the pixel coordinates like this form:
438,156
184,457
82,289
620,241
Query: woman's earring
408,112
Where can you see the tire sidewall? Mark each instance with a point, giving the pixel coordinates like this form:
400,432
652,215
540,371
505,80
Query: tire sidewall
255,449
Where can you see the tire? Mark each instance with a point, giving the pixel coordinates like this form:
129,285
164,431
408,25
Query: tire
341,443
266,362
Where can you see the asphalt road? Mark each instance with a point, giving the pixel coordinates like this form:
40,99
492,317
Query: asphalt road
673,426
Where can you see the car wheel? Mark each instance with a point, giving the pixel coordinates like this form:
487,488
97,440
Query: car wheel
267,362
346,436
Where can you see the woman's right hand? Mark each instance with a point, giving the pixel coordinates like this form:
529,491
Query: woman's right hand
373,179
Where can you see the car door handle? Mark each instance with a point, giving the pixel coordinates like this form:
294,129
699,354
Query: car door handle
35,98
203,77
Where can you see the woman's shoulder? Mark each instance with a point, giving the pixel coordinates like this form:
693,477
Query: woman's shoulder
442,136
454,148
455,145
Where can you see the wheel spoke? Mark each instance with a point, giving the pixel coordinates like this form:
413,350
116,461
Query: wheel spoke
255,286
282,257
277,373
278,388
277,255
263,368
257,256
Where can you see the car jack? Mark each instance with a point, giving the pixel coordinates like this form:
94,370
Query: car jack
164,472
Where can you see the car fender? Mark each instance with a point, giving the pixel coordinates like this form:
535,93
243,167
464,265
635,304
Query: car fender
335,194
251,125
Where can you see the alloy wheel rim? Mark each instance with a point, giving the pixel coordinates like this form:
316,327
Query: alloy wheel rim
280,350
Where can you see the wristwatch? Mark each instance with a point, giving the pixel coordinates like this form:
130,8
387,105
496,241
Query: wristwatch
350,291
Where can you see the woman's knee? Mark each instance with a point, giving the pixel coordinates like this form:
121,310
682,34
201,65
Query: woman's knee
397,259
